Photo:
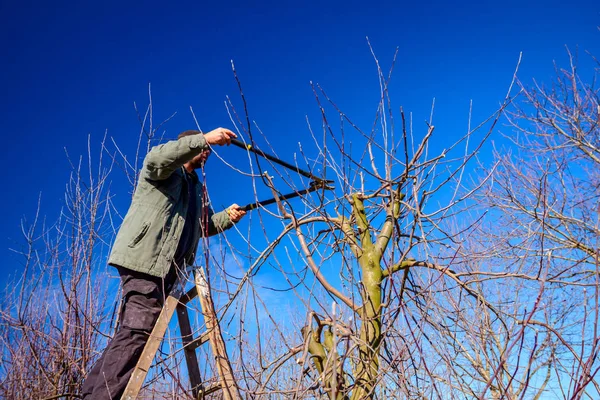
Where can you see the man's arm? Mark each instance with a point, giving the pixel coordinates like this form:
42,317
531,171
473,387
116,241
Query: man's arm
218,222
163,159
223,220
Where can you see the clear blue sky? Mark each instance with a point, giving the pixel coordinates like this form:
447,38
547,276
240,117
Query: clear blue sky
73,69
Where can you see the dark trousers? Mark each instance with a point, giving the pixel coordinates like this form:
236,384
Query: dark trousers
143,298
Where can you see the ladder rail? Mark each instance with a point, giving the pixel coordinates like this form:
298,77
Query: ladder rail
190,352
177,301
228,382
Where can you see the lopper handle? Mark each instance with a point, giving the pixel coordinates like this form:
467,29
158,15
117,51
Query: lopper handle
253,206
276,160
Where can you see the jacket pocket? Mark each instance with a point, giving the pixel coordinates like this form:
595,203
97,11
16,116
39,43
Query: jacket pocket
137,238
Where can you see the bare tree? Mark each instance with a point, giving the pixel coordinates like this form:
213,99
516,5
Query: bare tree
54,317
376,275
417,276
59,313
539,244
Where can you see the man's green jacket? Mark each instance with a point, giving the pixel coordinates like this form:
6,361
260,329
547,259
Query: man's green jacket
151,230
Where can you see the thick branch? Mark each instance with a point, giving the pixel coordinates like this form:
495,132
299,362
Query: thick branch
346,227
358,208
404,264
393,213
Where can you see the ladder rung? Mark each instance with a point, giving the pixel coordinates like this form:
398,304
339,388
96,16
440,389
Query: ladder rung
186,298
199,341
211,389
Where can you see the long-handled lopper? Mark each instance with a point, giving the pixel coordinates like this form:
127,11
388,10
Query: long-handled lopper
252,149
314,185
317,182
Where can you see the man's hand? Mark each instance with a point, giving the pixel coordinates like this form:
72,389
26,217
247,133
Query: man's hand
235,212
219,136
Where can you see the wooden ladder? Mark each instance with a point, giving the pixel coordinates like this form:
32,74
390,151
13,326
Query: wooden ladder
178,300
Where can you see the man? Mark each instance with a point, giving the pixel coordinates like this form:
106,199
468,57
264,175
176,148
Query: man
159,237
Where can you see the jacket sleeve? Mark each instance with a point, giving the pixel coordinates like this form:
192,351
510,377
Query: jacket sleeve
215,222
163,159
218,222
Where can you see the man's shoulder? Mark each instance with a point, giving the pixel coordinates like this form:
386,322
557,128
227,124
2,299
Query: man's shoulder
145,178
147,188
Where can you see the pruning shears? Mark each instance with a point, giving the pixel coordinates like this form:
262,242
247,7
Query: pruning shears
315,184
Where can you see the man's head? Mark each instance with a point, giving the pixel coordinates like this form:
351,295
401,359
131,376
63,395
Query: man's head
199,160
